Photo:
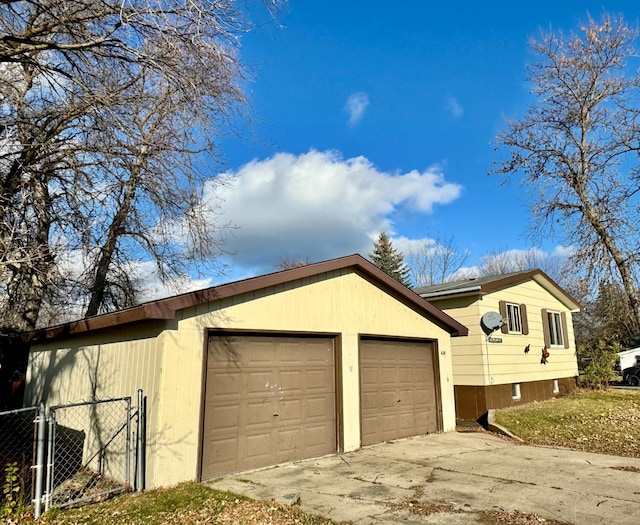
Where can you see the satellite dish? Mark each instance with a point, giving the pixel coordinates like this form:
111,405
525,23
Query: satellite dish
491,321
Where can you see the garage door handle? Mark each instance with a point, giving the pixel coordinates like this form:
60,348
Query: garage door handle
398,400
275,414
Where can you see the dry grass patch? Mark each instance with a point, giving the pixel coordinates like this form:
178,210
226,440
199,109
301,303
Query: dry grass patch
188,503
607,422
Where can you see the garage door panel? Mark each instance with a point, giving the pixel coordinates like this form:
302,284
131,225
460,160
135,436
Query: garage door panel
258,382
257,414
288,442
369,376
389,397
317,378
227,417
282,390
388,374
368,402
408,397
397,381
294,381
317,407
291,411
227,384
226,452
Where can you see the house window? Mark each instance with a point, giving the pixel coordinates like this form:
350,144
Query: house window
555,329
515,391
556,387
514,321
515,316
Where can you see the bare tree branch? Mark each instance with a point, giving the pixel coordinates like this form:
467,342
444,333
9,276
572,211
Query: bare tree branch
113,110
577,147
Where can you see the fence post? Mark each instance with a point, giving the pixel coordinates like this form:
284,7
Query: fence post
141,441
41,425
50,457
127,458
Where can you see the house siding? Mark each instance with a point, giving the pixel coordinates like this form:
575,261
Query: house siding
105,365
477,362
507,361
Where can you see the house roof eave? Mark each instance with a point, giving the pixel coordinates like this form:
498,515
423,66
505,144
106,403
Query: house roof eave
489,285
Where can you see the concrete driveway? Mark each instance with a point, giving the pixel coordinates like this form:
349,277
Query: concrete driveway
451,478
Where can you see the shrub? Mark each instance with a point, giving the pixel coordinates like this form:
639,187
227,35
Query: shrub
600,370
12,492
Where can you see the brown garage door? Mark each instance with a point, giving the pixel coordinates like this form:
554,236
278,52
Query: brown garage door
268,400
397,390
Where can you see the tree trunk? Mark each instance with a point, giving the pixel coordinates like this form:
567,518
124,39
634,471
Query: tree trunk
619,259
108,249
29,282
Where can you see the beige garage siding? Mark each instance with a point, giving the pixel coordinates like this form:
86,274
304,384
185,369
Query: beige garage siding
269,399
398,389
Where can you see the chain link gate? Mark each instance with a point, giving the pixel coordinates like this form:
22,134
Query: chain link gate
77,452
89,451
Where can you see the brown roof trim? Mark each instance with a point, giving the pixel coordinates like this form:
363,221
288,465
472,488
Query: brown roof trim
534,274
499,282
167,308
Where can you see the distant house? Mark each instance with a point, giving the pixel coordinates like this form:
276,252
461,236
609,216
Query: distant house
317,359
521,345
629,358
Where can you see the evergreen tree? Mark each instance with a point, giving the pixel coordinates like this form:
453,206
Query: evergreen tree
389,260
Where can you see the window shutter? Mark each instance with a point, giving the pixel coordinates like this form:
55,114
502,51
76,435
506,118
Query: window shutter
523,319
545,328
502,306
565,333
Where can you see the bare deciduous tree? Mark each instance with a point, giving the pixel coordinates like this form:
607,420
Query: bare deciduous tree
500,262
606,316
577,147
112,109
288,263
435,261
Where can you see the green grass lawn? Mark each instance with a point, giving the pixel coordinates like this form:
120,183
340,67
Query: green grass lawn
606,421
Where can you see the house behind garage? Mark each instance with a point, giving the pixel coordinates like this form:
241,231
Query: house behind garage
313,360
505,367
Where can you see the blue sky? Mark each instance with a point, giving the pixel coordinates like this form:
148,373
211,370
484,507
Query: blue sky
369,115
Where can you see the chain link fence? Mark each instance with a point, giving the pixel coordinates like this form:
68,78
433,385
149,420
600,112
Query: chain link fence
76,453
89,450
17,454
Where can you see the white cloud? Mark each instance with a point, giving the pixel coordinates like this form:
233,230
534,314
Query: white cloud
408,246
564,251
454,106
356,106
317,205
466,272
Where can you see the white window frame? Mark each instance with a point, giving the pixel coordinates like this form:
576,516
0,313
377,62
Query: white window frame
515,391
514,319
554,322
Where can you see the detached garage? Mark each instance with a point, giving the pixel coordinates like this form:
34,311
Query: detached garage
315,360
